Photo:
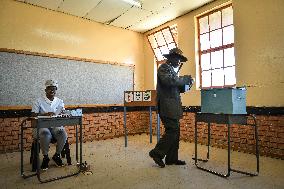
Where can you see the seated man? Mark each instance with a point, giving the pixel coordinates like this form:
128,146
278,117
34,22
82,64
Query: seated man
50,105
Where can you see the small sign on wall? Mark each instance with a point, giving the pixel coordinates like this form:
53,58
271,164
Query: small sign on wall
128,96
140,98
147,96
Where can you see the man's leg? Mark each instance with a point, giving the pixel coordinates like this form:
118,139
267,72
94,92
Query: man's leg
45,138
60,135
172,155
166,142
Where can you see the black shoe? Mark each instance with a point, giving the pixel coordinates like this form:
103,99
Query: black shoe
156,159
56,158
178,162
44,164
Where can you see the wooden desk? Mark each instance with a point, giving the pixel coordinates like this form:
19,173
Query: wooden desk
52,122
227,119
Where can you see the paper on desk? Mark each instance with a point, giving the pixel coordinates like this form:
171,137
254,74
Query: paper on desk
43,116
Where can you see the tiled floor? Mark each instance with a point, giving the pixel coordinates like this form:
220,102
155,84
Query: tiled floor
115,166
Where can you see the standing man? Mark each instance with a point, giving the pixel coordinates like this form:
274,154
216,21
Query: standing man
50,105
169,87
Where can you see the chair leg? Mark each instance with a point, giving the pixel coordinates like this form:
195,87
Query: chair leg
34,155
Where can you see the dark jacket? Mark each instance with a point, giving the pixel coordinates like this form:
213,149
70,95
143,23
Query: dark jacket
169,87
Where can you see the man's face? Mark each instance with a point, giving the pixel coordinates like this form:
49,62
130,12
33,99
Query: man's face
50,92
175,62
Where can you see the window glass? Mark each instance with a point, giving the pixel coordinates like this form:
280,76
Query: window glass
206,78
227,16
204,26
164,50
158,54
228,35
168,36
217,59
152,41
204,41
218,77
171,45
229,57
230,77
215,20
216,38
205,61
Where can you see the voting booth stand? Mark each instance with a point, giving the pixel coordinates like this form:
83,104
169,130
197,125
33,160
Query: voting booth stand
224,106
141,98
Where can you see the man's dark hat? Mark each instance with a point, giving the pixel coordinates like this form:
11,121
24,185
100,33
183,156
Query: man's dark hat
176,52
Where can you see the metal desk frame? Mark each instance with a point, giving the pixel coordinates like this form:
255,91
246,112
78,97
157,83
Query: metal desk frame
225,119
46,123
151,131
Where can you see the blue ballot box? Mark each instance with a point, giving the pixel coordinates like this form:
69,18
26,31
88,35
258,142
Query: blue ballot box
226,100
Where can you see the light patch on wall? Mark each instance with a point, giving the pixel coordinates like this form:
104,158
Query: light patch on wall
59,36
129,61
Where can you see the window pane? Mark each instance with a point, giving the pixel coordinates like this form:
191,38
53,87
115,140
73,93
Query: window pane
168,36
164,50
206,78
160,39
218,77
205,61
171,46
217,59
204,42
229,57
216,38
203,22
230,76
215,20
152,41
227,16
228,35
158,54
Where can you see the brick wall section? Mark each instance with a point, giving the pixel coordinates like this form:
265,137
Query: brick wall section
96,126
270,131
99,126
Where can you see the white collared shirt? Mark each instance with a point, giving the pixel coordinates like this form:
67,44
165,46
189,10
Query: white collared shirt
44,105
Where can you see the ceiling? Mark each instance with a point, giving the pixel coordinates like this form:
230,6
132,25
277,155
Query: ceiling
121,14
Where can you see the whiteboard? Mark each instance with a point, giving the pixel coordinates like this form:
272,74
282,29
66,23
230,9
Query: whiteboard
23,76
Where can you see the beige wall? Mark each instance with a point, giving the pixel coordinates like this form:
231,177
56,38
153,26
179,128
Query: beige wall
259,50
259,44
30,28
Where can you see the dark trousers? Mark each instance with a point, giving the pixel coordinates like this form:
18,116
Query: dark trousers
168,145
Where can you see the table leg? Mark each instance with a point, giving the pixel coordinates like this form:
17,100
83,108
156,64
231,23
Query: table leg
150,112
22,153
125,129
158,127
81,143
229,149
209,139
76,135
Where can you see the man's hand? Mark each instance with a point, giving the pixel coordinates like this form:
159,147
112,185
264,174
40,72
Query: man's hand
188,79
48,114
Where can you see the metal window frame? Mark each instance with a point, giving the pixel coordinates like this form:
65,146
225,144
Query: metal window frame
210,50
158,62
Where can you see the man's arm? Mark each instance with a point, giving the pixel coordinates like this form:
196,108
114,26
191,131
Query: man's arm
168,78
